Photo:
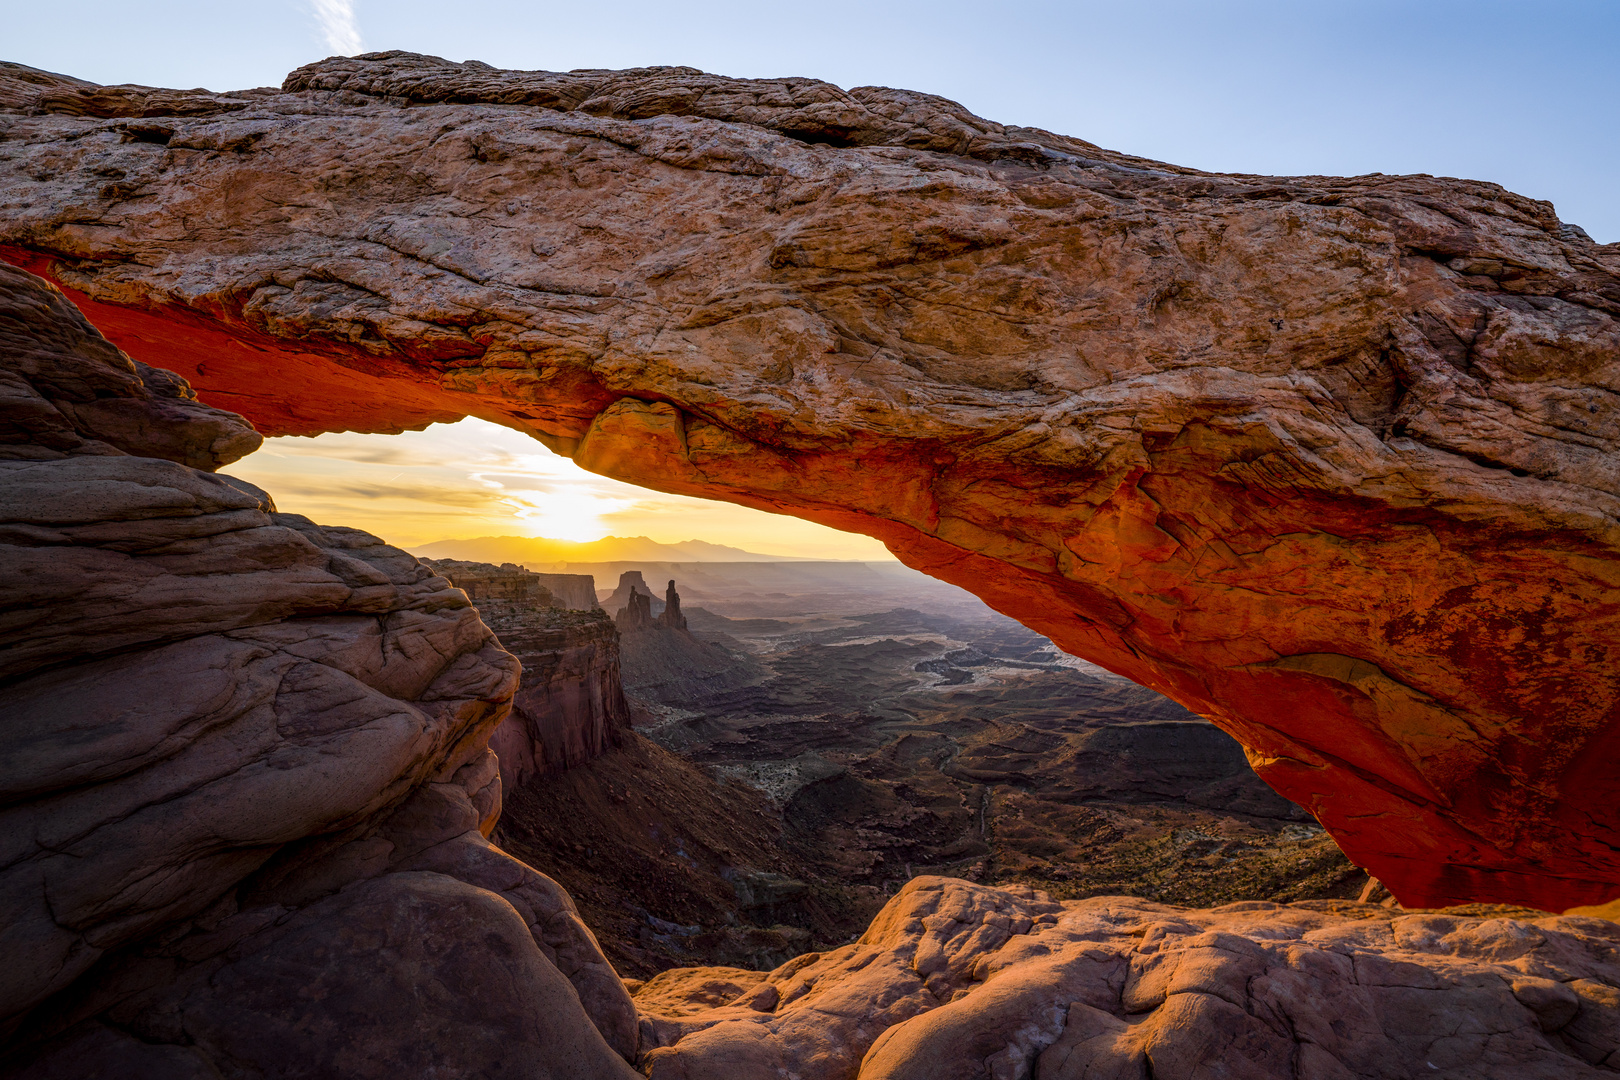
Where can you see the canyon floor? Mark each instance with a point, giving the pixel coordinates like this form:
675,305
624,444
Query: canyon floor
797,760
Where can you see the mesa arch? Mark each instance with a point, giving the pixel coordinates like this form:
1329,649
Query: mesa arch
1331,461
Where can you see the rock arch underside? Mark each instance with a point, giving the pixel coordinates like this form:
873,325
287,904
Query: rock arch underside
1330,461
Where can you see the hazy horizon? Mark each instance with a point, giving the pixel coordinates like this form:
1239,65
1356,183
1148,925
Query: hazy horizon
609,549
474,478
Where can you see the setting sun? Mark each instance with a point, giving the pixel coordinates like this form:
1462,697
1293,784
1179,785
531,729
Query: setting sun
475,478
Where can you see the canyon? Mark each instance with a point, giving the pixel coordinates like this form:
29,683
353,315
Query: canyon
1328,462
787,776
249,783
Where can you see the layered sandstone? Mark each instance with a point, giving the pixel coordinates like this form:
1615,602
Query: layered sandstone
577,591
509,582
635,615
245,768
570,705
495,587
1331,461
955,980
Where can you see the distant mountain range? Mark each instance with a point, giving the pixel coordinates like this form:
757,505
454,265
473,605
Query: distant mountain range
532,550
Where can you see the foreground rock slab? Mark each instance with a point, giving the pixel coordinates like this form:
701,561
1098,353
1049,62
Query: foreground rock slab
956,981
1330,461
244,767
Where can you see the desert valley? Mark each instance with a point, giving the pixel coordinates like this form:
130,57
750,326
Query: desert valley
1242,698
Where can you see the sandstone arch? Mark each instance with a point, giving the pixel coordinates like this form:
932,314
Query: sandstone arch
1332,461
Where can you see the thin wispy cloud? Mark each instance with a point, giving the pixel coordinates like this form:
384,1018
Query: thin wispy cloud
339,29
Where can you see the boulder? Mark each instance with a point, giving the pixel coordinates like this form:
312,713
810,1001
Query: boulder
1331,461
246,766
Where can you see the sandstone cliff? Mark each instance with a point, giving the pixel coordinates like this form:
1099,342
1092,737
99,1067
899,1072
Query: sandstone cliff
663,662
570,704
631,584
577,591
1330,461
635,615
245,767
500,588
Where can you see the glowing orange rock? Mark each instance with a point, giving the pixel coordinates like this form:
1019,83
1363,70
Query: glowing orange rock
1331,461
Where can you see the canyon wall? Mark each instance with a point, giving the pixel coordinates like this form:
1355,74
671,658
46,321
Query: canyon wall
570,705
1331,461
498,587
245,777
577,591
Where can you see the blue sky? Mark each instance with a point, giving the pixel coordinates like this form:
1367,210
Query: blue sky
1525,94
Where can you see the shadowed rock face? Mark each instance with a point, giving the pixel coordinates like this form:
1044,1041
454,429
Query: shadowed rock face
1330,461
245,767
569,706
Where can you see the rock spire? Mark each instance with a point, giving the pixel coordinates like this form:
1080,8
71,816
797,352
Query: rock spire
671,615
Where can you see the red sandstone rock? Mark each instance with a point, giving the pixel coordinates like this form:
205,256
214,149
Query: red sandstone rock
1330,461
570,705
955,980
244,767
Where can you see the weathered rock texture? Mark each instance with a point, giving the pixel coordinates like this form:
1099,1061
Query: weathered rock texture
1331,461
570,705
245,767
636,614
509,581
956,981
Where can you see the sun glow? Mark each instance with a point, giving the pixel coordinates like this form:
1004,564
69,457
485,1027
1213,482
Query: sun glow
474,478
564,512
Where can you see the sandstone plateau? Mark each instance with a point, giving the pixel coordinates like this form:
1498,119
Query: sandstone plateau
1330,461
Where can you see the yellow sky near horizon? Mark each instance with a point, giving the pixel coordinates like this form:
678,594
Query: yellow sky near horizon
475,478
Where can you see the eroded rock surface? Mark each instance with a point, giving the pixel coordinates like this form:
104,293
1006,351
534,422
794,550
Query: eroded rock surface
245,767
956,981
1330,461
570,704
